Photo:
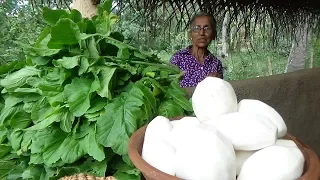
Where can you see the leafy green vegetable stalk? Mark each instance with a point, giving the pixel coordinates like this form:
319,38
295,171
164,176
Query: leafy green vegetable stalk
72,106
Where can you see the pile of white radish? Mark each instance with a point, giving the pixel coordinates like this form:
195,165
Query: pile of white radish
226,140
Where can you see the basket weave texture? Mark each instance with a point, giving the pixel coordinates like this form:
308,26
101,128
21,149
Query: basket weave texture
83,176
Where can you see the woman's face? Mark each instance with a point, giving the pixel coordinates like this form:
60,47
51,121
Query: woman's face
201,32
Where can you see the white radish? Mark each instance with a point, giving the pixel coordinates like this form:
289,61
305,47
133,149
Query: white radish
261,108
274,162
285,142
241,157
205,154
160,155
186,121
213,97
181,128
246,131
159,128
174,122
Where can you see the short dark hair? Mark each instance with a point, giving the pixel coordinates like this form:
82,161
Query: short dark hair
213,21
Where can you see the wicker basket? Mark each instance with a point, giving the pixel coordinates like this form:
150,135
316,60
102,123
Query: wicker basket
83,176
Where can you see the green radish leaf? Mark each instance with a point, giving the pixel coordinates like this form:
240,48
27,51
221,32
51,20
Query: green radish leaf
92,48
123,53
12,101
148,95
26,141
44,138
150,69
58,115
164,74
117,43
8,112
41,51
27,107
67,121
43,38
52,16
117,35
67,62
49,173
39,60
65,32
56,75
4,149
105,75
98,103
23,92
51,152
94,167
11,66
53,93
93,148
75,15
20,120
71,149
17,172
67,171
36,159
3,135
5,167
120,121
16,138
178,95
34,81
10,156
50,89
18,78
105,18
78,95
106,6
170,109
123,175
40,109
84,65
125,168
127,160
32,172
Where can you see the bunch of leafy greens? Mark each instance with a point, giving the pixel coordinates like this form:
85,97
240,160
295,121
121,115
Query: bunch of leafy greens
72,106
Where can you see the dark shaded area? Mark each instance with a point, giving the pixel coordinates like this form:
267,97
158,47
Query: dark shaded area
296,96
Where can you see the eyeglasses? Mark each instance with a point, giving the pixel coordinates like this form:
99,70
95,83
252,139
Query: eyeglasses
197,29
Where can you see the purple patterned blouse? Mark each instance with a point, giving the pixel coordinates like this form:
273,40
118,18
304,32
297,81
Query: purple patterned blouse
195,71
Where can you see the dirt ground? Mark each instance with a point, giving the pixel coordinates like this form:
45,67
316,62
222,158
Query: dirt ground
296,96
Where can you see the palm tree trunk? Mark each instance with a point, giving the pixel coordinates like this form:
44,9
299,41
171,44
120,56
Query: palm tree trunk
297,56
87,8
224,36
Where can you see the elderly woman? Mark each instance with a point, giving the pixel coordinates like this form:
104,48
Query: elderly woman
196,61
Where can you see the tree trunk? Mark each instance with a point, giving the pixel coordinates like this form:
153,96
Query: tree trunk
88,8
311,57
297,56
224,36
